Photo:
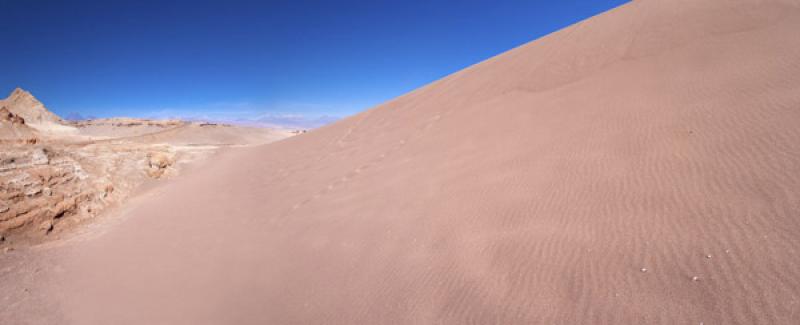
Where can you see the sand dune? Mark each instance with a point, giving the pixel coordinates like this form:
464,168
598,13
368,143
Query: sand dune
640,167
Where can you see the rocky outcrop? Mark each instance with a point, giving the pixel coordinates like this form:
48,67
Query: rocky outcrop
39,186
51,181
23,104
159,162
13,128
47,186
45,189
11,118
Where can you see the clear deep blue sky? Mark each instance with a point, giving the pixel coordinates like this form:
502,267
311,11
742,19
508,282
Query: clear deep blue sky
155,58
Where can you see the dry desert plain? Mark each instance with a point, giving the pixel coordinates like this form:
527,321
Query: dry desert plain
639,167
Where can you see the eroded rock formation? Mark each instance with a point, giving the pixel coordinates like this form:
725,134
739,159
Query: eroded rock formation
13,128
23,104
62,173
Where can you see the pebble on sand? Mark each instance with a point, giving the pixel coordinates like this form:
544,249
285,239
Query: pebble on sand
643,270
695,278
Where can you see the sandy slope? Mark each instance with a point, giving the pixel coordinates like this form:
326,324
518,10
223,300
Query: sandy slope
640,167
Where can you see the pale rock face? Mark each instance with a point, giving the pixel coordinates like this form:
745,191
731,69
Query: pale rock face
13,127
39,157
38,187
35,114
23,104
7,116
158,162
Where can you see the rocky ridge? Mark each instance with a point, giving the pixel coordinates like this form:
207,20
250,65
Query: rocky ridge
23,104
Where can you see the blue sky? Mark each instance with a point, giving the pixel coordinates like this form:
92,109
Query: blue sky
245,59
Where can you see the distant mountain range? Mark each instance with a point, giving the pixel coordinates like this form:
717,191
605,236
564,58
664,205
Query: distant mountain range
289,121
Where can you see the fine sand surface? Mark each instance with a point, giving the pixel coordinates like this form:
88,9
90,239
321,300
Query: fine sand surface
640,167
